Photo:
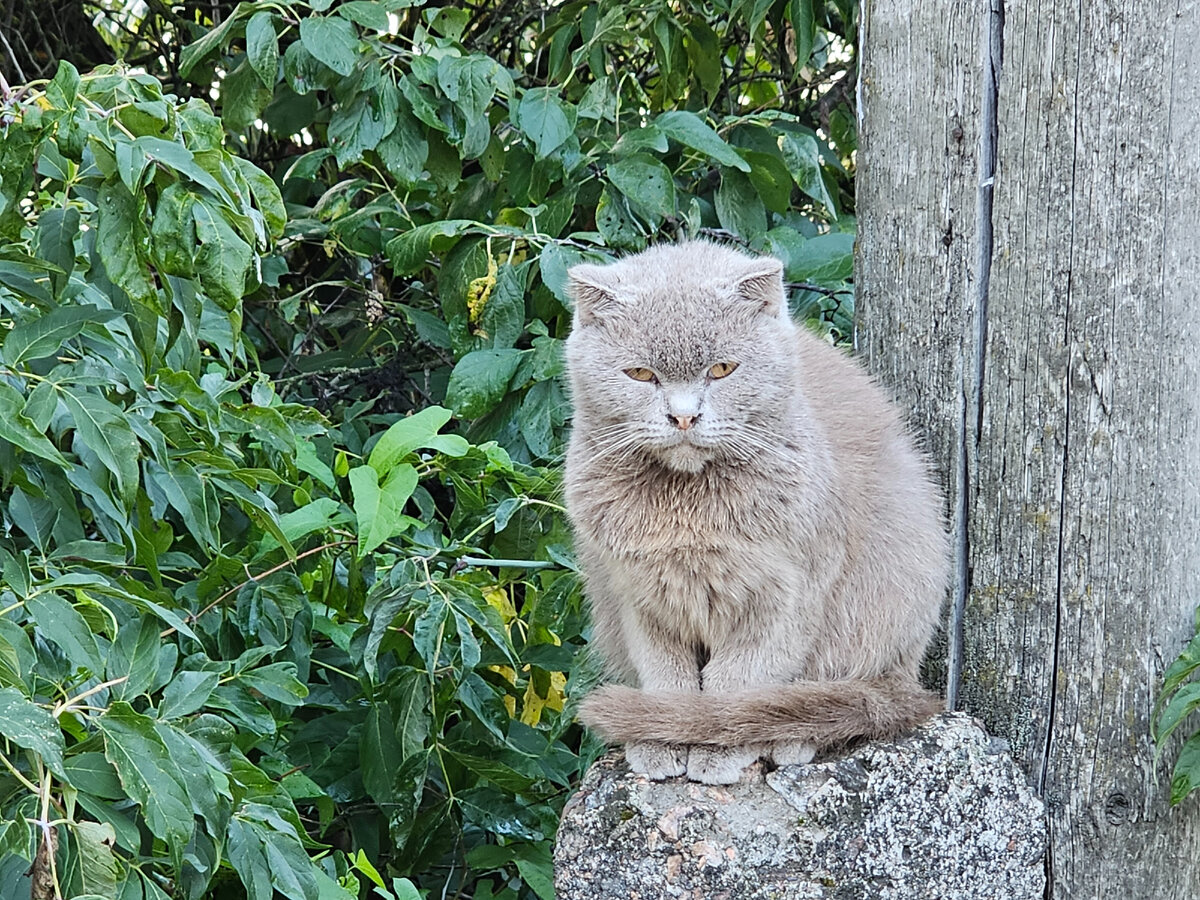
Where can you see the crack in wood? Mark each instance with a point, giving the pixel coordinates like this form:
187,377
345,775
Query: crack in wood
971,425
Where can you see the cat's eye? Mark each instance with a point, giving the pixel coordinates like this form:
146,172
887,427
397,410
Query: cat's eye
640,374
720,370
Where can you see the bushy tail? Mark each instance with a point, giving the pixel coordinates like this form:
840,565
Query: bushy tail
821,713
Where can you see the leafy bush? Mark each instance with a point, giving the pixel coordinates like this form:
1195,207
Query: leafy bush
264,629
1180,697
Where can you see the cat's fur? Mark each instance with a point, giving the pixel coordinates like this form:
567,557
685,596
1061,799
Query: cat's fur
763,552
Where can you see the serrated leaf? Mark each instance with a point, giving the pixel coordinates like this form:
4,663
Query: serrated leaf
331,40
262,47
480,380
357,127
33,728
147,773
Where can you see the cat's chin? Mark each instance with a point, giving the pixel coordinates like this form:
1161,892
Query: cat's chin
684,458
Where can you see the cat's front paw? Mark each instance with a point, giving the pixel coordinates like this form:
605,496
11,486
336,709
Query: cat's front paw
792,754
657,761
711,765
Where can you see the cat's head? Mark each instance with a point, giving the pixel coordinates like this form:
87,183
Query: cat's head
683,352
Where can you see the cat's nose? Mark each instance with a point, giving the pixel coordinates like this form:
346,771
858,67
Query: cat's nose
683,423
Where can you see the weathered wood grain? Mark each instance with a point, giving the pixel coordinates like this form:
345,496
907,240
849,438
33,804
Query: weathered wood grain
1073,441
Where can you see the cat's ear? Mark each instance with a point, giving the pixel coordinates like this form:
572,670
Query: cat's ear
761,283
590,291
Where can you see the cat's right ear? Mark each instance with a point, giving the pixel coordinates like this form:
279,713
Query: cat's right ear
591,294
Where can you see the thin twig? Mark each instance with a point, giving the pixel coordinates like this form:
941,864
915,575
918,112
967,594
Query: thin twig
261,575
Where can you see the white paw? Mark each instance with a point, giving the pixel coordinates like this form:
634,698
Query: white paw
724,765
657,761
792,754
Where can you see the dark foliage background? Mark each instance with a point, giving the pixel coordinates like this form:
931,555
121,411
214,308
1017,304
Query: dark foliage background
288,606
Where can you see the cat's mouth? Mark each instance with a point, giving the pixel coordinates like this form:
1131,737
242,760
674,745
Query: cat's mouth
685,456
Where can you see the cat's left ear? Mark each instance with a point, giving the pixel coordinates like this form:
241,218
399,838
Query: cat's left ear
761,284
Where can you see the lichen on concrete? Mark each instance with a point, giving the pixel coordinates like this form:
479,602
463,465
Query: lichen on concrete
942,814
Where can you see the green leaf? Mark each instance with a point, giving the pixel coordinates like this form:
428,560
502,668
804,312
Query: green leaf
826,259
118,235
480,380
373,15
739,208
496,772
409,252
195,52
187,692
380,508
60,622
544,120
43,336
266,195
690,130
56,231
412,713
410,433
105,431
503,317
331,40
405,149
277,682
615,224
355,128
186,492
147,772
378,752
802,156
91,773
1185,778
224,259
97,864
33,728
646,183
173,231
262,47
134,657
1185,701
469,82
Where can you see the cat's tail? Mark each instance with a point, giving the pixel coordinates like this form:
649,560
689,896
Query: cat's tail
820,713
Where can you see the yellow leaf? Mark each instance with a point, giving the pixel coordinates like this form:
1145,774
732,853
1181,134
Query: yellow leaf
479,291
498,598
531,706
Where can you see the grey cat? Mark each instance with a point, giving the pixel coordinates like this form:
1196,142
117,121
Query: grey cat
762,546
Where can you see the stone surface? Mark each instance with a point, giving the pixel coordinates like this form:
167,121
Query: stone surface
943,813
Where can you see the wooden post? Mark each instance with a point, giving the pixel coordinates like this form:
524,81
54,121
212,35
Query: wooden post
1029,287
